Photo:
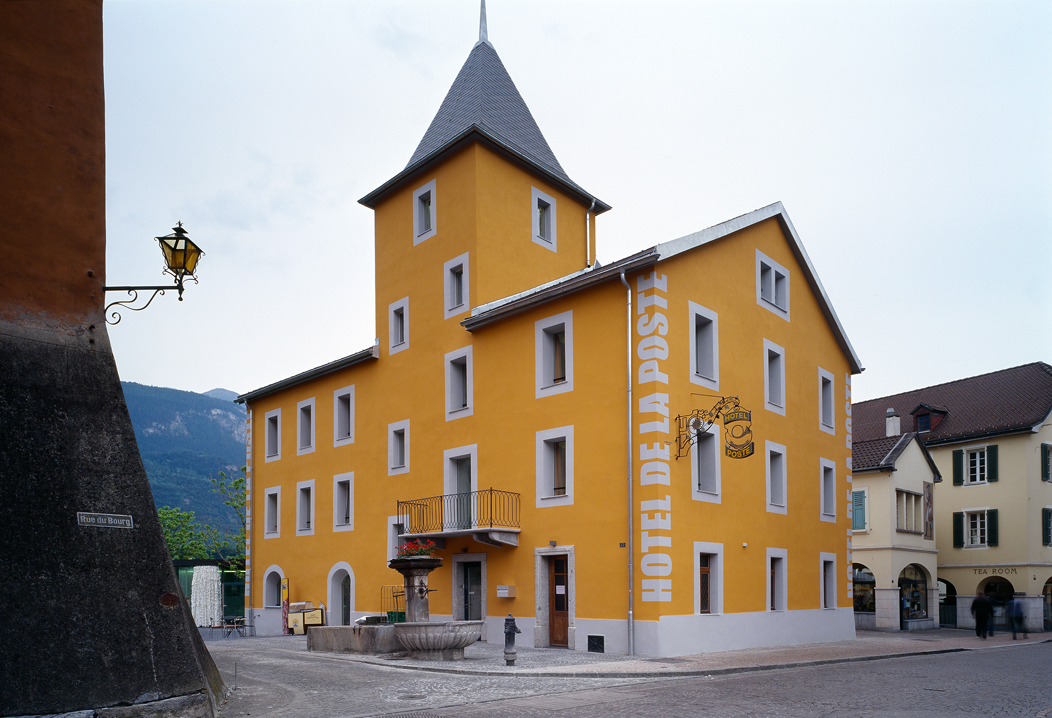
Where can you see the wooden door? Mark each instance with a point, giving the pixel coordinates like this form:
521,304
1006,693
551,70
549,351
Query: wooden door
558,604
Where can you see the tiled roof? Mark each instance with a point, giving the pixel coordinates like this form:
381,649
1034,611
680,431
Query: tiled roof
1000,402
872,454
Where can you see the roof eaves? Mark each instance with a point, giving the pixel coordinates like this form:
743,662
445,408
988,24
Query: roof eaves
776,210
372,352
897,449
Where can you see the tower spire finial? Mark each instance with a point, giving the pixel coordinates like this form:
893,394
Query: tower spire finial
483,32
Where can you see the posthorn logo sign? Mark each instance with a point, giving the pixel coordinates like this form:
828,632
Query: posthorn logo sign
737,434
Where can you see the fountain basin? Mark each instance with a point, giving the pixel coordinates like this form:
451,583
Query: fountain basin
438,641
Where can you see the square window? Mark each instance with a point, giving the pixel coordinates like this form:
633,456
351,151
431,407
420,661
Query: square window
343,502
459,384
305,427
776,472
827,489
772,285
398,447
424,213
553,339
555,467
456,286
826,402
398,326
544,219
705,466
343,416
923,423
272,435
774,377
827,587
705,346
305,508
272,512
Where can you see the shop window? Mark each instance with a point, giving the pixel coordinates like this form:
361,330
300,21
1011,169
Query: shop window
913,592
864,585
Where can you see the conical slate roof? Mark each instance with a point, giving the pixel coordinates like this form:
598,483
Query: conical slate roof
484,96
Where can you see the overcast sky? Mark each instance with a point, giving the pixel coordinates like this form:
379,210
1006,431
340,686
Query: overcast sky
910,142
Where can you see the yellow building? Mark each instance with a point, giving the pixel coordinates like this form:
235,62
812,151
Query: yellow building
531,412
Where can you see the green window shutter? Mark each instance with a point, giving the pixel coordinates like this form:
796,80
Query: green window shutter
1046,527
1046,462
958,468
991,463
858,510
991,527
958,529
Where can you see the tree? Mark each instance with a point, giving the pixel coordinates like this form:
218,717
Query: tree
186,538
233,491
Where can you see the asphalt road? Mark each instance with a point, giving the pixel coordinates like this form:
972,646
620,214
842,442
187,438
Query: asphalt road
279,682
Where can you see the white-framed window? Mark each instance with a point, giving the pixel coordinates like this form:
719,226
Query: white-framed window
555,467
705,466
456,286
826,402
272,587
704,346
343,502
777,579
395,529
827,489
305,508
909,512
343,416
977,528
975,466
774,377
544,220
272,512
708,578
776,473
398,447
860,509
425,212
272,435
827,580
553,353
398,325
305,427
460,473
772,285
460,387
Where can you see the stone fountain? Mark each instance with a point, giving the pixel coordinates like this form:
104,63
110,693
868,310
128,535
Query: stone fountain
443,641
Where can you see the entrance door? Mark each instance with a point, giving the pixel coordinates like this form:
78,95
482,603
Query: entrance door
463,497
345,592
558,606
472,590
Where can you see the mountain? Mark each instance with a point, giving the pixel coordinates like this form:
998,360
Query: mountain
185,439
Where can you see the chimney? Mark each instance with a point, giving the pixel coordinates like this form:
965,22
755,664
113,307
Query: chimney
891,421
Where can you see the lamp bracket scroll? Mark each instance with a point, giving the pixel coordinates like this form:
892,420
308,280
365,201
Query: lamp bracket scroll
690,426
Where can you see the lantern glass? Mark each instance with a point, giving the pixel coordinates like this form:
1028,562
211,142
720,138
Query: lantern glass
180,253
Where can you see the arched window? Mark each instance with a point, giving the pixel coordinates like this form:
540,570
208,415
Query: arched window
272,590
913,592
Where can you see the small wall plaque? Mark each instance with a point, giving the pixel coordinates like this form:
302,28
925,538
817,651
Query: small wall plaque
110,521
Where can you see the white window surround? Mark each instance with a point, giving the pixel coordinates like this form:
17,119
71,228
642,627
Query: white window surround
449,457
343,502
781,579
707,343
827,595
305,511
772,285
715,577
985,527
826,402
544,353
398,323
546,468
713,440
272,435
425,227
272,587
272,512
548,238
343,416
826,494
305,427
982,468
777,473
455,393
453,309
393,542
393,467
774,390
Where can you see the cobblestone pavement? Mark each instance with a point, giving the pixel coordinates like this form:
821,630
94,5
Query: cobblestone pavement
937,673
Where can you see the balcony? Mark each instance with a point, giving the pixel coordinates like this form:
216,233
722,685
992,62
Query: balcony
489,516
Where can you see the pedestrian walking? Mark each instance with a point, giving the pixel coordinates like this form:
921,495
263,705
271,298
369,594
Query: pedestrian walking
1016,618
983,611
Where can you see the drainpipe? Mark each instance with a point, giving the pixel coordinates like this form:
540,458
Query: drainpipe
587,241
631,518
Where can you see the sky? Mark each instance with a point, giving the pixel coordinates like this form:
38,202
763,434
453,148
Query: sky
910,143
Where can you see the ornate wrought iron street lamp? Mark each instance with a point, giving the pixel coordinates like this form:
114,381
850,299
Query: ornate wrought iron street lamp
181,256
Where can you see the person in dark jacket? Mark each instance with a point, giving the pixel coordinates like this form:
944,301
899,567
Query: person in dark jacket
983,611
1015,616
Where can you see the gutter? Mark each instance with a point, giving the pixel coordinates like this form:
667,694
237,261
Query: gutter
372,352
